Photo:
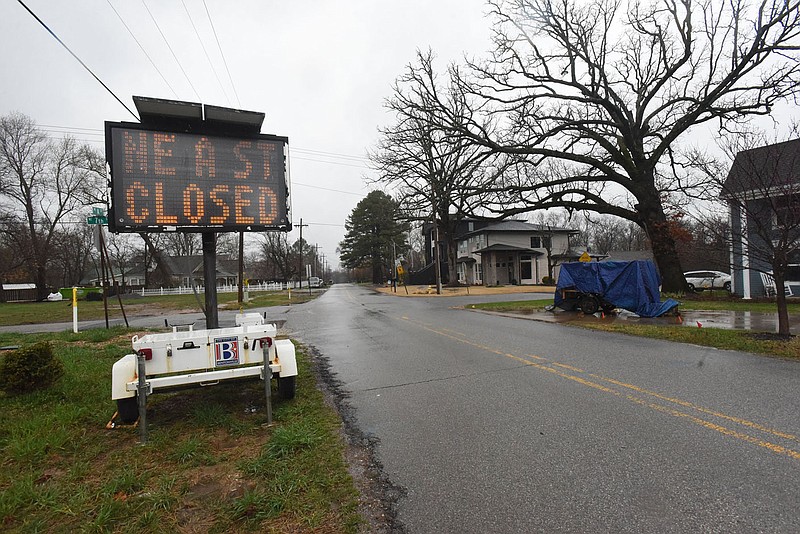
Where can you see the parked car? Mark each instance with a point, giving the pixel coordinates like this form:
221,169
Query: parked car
314,281
700,280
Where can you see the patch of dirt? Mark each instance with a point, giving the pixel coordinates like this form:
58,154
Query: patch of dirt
215,483
378,495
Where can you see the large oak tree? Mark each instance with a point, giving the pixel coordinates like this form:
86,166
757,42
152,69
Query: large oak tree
593,98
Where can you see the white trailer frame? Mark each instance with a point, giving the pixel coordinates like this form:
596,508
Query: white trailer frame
203,357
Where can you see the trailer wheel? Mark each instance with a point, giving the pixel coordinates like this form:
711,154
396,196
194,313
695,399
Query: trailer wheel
589,304
287,387
128,410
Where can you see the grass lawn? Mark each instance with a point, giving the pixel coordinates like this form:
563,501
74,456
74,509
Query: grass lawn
16,313
212,465
710,337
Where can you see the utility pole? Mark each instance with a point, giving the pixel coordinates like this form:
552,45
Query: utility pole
394,267
300,272
316,255
436,261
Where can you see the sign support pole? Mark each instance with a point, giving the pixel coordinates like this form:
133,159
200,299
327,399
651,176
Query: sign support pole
210,277
75,309
104,276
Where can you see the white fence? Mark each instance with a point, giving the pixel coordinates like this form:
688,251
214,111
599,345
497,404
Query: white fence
273,286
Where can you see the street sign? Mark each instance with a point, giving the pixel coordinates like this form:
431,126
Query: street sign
98,211
585,257
97,219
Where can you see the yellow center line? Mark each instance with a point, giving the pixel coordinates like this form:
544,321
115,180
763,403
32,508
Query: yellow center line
565,366
642,402
686,404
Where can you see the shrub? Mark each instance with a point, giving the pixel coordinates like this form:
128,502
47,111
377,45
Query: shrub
30,368
548,281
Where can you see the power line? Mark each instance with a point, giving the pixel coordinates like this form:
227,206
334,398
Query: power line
318,224
203,46
74,128
311,151
208,13
142,49
327,189
171,51
332,162
332,154
76,57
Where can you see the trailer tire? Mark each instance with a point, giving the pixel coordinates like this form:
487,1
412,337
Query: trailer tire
589,304
287,386
128,410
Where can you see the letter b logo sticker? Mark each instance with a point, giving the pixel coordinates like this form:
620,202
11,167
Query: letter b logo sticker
226,350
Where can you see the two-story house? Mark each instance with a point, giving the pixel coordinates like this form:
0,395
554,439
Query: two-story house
512,252
763,194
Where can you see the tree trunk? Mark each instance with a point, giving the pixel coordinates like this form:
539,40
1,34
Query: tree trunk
662,241
41,283
780,301
452,261
779,262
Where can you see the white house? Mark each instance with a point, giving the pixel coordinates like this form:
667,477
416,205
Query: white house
512,252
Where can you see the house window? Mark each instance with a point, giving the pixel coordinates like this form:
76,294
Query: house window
540,241
478,273
787,211
470,226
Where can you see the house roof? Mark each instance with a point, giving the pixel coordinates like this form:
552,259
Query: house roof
188,265
629,255
499,247
764,168
521,226
572,253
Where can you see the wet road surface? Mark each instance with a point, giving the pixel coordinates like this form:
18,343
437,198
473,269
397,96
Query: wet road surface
495,425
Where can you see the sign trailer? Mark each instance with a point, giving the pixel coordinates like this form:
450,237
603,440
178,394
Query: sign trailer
194,168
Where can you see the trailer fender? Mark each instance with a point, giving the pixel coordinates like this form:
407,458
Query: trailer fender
123,371
284,350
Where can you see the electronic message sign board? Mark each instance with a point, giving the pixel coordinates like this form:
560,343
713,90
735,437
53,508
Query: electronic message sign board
193,182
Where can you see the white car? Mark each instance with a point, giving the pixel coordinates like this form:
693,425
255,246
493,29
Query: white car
699,280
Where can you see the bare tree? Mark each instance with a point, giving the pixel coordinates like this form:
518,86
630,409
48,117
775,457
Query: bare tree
276,261
122,255
72,255
182,243
594,97
434,175
155,254
41,183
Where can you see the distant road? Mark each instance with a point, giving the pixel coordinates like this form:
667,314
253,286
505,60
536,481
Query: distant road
495,424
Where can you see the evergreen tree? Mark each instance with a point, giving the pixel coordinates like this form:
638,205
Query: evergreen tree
373,228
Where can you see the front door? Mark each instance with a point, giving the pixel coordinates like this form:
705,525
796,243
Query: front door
526,269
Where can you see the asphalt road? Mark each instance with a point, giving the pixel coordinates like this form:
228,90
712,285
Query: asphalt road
496,424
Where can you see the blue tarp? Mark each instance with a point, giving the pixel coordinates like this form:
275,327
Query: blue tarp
631,285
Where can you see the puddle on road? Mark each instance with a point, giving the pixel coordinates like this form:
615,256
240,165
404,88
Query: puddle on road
731,320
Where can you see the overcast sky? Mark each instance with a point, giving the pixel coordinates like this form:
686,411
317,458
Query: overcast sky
318,70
